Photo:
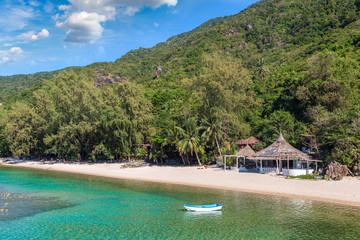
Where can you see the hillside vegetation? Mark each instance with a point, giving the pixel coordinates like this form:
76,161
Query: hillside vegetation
279,65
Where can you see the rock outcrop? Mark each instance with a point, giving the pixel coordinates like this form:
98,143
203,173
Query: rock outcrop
356,170
336,171
102,80
159,70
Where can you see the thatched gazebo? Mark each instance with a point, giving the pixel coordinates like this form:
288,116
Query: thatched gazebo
280,151
245,152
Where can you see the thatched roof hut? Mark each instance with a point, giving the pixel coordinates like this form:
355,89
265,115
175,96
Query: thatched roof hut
281,149
247,151
249,141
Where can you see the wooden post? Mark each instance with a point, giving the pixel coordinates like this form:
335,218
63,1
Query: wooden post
224,163
307,167
261,165
277,166
288,167
280,164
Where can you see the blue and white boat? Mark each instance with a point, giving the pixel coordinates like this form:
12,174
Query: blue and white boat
203,208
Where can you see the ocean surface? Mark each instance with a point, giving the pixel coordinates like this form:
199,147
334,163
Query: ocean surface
48,205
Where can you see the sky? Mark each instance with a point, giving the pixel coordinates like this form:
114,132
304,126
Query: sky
47,35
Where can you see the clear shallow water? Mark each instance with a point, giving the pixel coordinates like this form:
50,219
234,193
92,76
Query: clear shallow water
47,205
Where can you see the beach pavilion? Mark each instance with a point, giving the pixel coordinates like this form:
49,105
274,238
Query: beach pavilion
243,153
288,160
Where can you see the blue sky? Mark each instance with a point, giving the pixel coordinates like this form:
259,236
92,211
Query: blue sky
46,35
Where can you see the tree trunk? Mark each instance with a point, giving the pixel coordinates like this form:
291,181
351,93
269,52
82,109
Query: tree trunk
197,157
217,144
182,158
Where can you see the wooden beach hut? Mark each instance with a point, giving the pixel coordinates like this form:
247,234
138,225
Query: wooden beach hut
289,160
249,141
243,153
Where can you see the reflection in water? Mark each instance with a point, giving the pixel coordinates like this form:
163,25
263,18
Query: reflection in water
200,215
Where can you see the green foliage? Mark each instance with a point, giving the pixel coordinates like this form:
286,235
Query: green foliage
307,177
280,65
4,145
76,120
100,152
25,130
190,140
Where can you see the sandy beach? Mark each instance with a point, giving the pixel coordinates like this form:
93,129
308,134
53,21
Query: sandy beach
346,191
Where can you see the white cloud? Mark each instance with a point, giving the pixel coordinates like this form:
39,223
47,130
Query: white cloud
26,35
43,34
49,7
156,24
31,36
82,27
15,18
10,55
15,50
64,7
108,7
34,3
84,17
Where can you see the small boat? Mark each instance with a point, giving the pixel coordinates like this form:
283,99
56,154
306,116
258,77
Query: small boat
203,208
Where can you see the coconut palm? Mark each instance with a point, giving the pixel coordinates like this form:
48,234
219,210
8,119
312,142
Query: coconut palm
191,141
213,132
173,134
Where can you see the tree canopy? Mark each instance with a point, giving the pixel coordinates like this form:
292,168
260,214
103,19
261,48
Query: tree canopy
279,65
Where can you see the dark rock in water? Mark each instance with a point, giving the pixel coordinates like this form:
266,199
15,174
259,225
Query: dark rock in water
19,205
336,171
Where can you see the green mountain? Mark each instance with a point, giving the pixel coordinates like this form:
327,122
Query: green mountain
10,86
289,65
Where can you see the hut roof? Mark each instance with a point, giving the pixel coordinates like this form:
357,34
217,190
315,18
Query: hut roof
250,140
281,149
247,151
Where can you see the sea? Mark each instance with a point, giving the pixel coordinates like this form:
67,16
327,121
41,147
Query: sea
37,204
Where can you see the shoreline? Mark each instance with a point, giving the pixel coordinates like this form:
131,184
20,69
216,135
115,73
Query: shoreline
344,192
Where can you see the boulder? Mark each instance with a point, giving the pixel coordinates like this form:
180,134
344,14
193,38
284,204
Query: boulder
356,170
336,171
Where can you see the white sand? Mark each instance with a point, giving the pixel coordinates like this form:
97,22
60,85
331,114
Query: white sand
346,191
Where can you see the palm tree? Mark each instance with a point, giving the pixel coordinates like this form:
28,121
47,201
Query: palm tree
190,142
213,132
173,134
262,68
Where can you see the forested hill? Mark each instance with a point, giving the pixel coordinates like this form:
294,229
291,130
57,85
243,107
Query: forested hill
10,86
289,65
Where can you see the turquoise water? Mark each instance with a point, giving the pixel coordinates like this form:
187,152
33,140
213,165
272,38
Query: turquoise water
47,205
